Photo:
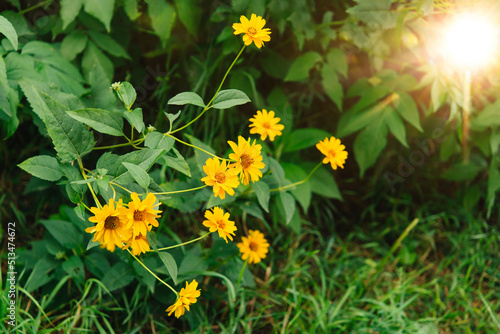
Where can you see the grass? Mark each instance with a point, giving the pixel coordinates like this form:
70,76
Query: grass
444,278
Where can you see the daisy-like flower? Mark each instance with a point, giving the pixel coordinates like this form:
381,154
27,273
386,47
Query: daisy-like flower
334,152
141,215
109,230
265,124
219,221
139,244
253,29
248,159
220,177
187,296
254,247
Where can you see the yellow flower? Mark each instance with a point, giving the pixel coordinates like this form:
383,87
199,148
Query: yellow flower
266,124
334,151
219,221
139,244
187,296
110,231
254,247
253,30
141,215
220,177
248,159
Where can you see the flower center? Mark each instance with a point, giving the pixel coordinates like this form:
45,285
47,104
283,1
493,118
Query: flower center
111,222
252,31
220,177
246,161
139,215
332,153
221,224
253,246
266,125
138,236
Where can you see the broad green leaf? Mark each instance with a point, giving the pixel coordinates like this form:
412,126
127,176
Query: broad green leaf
229,98
190,14
143,275
64,232
134,117
42,166
131,8
277,171
139,174
301,192
376,14
369,144
73,44
170,264
69,11
73,266
172,118
486,118
162,16
331,85
119,276
93,56
108,44
101,10
299,70
338,61
177,163
274,64
7,29
288,204
41,274
395,125
493,186
323,183
462,172
351,122
104,121
100,94
187,98
407,108
304,138
156,139
263,194
127,94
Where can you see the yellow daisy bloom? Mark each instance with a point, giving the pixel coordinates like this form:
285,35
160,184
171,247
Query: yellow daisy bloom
265,124
254,247
187,296
110,230
248,159
141,215
334,151
253,29
219,221
139,244
220,177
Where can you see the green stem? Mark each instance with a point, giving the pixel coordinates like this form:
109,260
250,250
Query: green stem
130,143
241,274
43,3
82,170
152,273
180,191
185,243
196,147
116,184
298,182
213,97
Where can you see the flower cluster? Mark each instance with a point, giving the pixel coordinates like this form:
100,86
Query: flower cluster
124,227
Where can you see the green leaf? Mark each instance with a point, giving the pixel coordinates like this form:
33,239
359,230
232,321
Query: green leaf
7,29
134,117
190,14
74,267
162,16
201,157
462,172
486,118
104,121
338,61
376,14
331,85
323,183
407,108
304,138
119,276
93,56
69,11
131,8
108,44
73,44
288,204
101,96
127,94
169,262
277,171
395,125
139,174
369,144
156,139
229,98
493,186
42,166
263,194
101,10
301,192
187,98
177,163
64,232
172,118
299,70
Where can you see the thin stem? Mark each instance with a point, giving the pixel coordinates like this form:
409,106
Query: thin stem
196,147
82,170
180,191
298,182
43,3
213,97
86,207
241,273
133,142
185,243
116,184
152,273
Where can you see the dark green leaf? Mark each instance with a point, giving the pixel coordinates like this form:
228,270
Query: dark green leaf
369,144
108,44
104,121
43,167
156,139
187,98
263,194
190,14
301,192
304,138
73,44
139,174
288,204
395,125
299,70
119,276
101,10
7,29
64,232
134,117
162,16
69,11
177,163
229,98
170,264
407,108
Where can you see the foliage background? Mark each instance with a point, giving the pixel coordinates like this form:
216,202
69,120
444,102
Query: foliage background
331,67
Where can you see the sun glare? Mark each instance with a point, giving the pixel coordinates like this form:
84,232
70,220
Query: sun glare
470,41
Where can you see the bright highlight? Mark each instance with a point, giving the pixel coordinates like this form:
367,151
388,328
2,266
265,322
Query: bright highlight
470,40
